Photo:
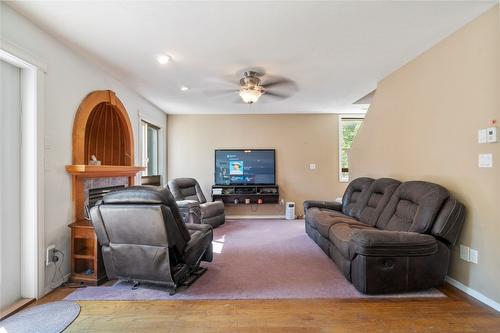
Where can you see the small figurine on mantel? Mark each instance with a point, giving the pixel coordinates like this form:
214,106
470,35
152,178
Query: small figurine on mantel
94,161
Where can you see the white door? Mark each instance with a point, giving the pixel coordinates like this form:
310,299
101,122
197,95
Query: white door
10,148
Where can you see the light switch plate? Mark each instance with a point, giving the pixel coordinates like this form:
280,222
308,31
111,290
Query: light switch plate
491,134
485,160
464,252
482,136
473,256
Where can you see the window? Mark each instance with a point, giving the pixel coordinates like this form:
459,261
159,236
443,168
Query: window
150,152
348,128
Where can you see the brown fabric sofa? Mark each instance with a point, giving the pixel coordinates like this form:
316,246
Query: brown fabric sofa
387,236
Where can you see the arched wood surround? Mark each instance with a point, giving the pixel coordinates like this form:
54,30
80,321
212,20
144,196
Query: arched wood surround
102,128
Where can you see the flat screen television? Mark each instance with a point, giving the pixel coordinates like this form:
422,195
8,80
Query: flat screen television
245,167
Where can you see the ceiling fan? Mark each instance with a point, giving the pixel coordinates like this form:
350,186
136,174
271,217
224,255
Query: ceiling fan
254,85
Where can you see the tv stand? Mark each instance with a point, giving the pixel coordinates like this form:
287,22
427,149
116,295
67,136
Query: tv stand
240,194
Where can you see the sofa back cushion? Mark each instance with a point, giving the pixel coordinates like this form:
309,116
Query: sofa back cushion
413,207
374,200
352,195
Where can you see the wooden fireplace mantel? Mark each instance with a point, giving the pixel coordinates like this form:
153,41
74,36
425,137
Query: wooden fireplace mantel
92,171
101,129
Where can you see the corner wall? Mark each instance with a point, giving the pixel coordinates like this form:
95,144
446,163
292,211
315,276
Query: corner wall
423,124
298,139
68,79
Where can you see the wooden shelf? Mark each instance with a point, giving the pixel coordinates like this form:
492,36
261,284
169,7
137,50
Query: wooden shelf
81,224
83,256
90,171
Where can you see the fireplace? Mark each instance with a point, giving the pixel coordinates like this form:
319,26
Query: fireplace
94,195
102,129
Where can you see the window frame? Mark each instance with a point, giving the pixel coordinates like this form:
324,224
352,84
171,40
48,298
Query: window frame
341,141
144,125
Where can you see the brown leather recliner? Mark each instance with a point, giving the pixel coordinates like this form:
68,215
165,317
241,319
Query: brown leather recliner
388,236
144,239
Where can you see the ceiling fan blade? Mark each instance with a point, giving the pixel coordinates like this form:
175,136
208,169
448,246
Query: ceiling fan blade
279,81
276,95
219,92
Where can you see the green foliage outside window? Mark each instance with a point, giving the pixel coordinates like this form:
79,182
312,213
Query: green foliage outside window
350,128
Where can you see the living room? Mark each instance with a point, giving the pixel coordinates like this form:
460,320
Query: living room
250,166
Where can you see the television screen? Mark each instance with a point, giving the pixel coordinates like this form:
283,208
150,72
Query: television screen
244,167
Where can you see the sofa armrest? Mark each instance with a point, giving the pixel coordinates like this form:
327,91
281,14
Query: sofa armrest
333,205
190,211
384,243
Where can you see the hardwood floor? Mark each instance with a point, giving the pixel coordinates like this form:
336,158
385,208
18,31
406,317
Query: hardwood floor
456,313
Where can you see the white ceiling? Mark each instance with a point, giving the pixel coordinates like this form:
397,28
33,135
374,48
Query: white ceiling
336,52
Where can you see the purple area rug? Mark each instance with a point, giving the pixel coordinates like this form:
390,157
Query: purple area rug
254,259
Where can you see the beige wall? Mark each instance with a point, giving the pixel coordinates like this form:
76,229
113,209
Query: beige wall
423,124
67,80
298,140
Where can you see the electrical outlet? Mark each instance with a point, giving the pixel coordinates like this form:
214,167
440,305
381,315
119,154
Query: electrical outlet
473,256
50,254
464,252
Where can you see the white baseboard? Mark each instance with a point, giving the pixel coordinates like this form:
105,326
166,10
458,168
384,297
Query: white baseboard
255,217
474,293
48,288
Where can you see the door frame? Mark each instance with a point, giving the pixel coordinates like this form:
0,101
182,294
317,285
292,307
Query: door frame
32,168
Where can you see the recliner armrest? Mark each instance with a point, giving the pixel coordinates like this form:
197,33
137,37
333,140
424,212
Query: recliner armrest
188,204
199,227
384,243
333,205
190,211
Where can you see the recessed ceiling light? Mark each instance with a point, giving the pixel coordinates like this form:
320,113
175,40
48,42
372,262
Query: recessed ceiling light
163,59
184,88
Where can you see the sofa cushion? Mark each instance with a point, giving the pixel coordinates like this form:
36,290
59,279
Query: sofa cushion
340,235
413,207
373,242
314,214
323,219
353,194
211,209
374,200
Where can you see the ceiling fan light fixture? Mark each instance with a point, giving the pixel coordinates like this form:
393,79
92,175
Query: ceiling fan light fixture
250,95
163,59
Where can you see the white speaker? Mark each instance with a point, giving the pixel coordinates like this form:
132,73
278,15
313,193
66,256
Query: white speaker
290,210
